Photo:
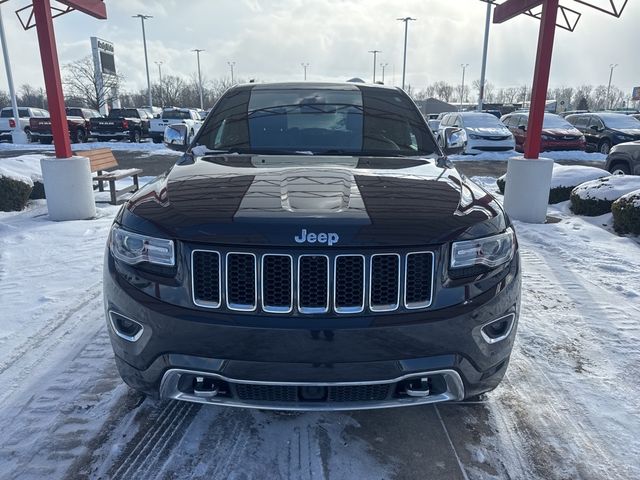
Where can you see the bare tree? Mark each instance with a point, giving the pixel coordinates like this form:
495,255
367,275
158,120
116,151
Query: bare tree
82,80
32,97
510,94
444,91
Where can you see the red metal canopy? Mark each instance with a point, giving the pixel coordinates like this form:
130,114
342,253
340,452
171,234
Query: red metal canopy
95,8
513,8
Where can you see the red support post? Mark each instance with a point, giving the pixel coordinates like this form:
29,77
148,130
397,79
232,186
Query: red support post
52,79
541,78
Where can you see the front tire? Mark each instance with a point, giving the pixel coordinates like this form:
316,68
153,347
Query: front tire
605,147
27,132
80,136
135,137
620,169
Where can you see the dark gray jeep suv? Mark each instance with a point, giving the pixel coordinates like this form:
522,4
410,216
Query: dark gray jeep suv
313,249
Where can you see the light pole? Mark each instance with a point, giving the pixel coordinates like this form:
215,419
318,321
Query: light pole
17,135
198,50
406,21
159,63
146,60
612,67
375,56
464,69
231,65
305,66
383,66
485,50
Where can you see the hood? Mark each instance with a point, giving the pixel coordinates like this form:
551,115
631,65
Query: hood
268,200
628,131
562,132
489,131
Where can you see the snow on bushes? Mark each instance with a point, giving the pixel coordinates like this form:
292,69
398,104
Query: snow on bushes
14,192
626,213
19,176
596,197
565,178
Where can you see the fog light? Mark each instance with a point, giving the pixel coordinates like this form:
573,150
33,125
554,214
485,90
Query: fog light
497,330
125,328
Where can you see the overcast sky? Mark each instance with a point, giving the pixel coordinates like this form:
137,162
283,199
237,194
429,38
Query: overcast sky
269,39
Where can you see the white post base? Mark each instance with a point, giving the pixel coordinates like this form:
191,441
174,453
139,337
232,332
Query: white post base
18,136
69,188
526,195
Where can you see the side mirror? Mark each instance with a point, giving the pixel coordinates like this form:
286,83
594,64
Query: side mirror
594,128
175,137
522,127
454,140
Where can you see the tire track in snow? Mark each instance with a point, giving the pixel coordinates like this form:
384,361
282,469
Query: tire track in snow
562,420
152,446
63,336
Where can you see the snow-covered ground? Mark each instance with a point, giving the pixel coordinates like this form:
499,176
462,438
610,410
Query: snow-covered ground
145,146
568,156
569,407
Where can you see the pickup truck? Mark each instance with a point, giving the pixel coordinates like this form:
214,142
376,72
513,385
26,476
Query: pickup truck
8,123
169,116
78,121
122,124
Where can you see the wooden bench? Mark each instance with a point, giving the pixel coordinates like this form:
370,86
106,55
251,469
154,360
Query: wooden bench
102,159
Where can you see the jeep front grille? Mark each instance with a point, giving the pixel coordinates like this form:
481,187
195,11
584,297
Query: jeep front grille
312,283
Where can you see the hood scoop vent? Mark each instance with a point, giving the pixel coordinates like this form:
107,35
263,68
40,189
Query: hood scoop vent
318,192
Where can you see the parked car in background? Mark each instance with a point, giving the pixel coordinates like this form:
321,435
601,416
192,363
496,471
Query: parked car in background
152,111
557,133
624,158
122,124
485,133
78,122
190,117
25,114
604,130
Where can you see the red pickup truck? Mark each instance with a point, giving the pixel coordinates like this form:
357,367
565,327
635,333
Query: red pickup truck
77,120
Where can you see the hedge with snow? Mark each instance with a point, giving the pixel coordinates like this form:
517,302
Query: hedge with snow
596,197
564,179
626,213
20,176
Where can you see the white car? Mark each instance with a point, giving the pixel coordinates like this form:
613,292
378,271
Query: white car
169,116
8,123
485,132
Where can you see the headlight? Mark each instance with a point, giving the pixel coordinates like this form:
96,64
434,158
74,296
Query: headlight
547,137
490,251
133,248
474,137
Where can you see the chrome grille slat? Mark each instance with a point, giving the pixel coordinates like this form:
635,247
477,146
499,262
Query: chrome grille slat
313,284
242,289
418,280
384,283
206,267
344,284
349,283
277,276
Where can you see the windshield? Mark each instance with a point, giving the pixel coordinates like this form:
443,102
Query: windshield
324,120
175,115
123,112
74,112
619,121
555,121
8,113
481,120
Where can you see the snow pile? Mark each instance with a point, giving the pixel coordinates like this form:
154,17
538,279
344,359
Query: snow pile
148,147
25,168
574,175
568,156
609,189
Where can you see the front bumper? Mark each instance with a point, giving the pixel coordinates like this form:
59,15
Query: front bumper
445,346
476,146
